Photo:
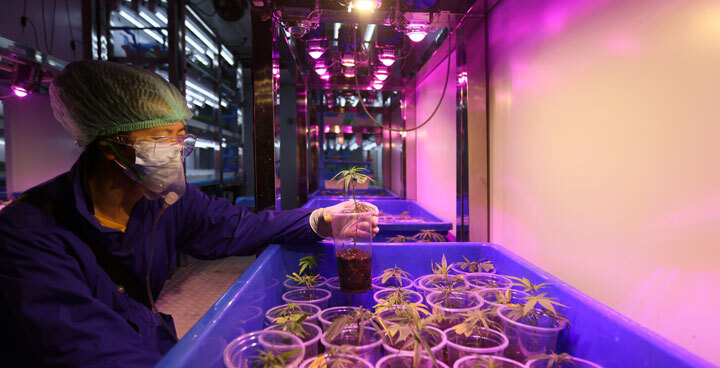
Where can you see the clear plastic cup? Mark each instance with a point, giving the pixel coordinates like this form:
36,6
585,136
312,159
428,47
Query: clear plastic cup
368,347
481,281
391,283
479,361
576,363
410,296
391,318
310,341
327,316
311,310
452,306
434,337
244,350
526,340
424,284
490,299
349,361
353,250
481,342
405,361
319,297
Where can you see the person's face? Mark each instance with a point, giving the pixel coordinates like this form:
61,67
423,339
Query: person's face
128,152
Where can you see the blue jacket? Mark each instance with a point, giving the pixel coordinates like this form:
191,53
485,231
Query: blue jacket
58,307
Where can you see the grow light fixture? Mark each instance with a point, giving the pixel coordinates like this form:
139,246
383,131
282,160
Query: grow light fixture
364,5
20,91
349,72
320,67
416,32
276,68
348,59
315,49
387,57
325,76
381,73
377,84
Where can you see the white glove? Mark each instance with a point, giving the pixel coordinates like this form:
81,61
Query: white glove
326,226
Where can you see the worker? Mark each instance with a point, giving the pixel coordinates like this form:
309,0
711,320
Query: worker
83,256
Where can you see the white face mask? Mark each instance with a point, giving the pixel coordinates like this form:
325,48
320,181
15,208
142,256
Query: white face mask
158,168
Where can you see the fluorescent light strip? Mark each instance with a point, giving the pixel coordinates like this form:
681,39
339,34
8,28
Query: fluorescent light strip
202,23
201,36
152,21
195,45
162,17
138,24
369,30
227,55
201,90
336,31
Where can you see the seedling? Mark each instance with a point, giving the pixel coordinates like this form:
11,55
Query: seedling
268,359
309,263
429,236
410,334
397,273
357,319
528,286
487,362
476,322
337,361
290,318
401,239
405,311
475,266
556,360
444,282
534,308
350,178
306,280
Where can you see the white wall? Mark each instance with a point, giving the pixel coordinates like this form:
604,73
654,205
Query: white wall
605,152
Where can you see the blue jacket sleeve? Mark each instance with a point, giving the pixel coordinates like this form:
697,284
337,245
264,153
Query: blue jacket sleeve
215,228
46,299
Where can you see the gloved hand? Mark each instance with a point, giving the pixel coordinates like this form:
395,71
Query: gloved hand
343,225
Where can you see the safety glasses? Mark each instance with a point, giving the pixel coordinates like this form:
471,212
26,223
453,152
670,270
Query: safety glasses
186,142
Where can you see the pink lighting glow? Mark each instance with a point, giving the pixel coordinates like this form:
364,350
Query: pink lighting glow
387,57
315,49
416,32
276,68
377,84
381,73
462,78
20,91
349,72
325,76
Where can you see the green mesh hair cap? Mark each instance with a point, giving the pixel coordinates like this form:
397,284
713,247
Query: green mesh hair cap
97,98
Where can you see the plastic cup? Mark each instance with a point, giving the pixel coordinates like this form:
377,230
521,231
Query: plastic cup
424,284
391,283
311,310
353,250
481,281
311,339
405,361
350,361
410,296
490,300
434,337
319,297
477,362
483,342
242,351
453,306
528,340
578,363
391,318
327,316
292,285
369,347
459,271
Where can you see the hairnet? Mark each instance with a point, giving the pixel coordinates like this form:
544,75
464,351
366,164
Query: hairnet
96,98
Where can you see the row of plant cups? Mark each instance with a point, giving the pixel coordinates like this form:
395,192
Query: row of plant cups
485,293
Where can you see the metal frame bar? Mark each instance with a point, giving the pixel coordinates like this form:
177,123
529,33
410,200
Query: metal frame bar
462,231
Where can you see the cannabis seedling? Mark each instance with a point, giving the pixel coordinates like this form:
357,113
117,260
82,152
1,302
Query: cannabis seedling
487,362
350,178
357,319
444,282
475,266
397,273
268,359
429,236
476,322
411,333
306,280
337,360
401,239
556,360
528,286
309,263
534,308
290,319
